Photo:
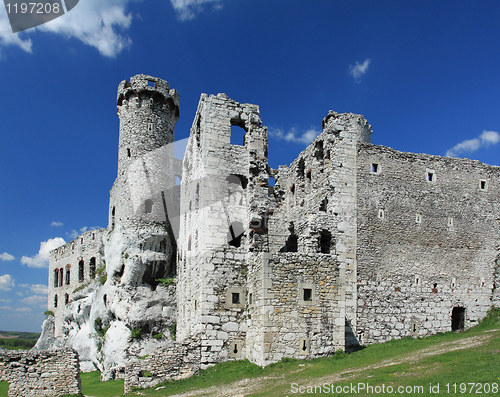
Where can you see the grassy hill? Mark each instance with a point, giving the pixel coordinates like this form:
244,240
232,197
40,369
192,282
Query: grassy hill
460,364
18,340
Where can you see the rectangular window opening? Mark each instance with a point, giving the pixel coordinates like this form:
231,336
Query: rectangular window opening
235,298
430,176
482,185
374,168
151,83
307,294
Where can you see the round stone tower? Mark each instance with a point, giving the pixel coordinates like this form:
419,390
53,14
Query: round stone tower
148,110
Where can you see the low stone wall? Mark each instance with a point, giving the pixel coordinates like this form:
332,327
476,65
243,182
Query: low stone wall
40,373
181,360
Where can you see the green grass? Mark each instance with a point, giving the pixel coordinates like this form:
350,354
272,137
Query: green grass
4,388
478,364
92,385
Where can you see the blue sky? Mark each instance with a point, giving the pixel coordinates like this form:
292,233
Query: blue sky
424,73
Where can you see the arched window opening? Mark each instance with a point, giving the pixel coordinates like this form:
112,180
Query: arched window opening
81,274
66,299
148,206
56,278
113,218
325,241
68,276
92,267
61,275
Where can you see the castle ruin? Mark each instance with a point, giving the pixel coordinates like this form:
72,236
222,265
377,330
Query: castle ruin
353,244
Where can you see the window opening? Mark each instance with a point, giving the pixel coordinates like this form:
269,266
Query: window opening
301,168
81,274
235,298
129,154
308,175
55,300
92,267
105,299
374,168
482,184
151,83
235,350
189,243
56,278
237,135
150,127
457,318
304,345
292,243
250,297
68,276
323,205
307,294
292,188
325,241
148,206
319,150
430,176
66,299
61,271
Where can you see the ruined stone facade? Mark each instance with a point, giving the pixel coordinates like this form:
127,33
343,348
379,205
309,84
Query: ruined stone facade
47,373
355,243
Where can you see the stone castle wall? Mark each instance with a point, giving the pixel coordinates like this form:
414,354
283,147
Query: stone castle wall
427,242
72,266
34,373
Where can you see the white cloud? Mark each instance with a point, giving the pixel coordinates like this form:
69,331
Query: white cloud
295,136
6,282
6,257
359,70
16,309
187,9
35,300
57,224
486,139
38,289
97,23
42,258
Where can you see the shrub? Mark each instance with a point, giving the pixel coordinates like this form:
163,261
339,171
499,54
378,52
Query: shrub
48,313
136,333
158,336
173,330
165,281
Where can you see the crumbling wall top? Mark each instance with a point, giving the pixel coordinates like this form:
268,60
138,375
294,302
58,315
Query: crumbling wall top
141,83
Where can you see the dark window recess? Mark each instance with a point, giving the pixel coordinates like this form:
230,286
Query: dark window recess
148,206
325,241
235,349
113,218
374,168
66,299
304,345
292,188
430,176
55,300
235,298
327,155
308,294
81,274
92,267
61,271
483,185
292,243
68,276
250,297
128,153
318,150
308,175
435,288
301,168
56,278
105,299
457,319
323,205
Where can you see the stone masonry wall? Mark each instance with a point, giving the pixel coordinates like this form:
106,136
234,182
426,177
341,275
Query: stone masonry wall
428,236
178,361
45,373
296,306
76,264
